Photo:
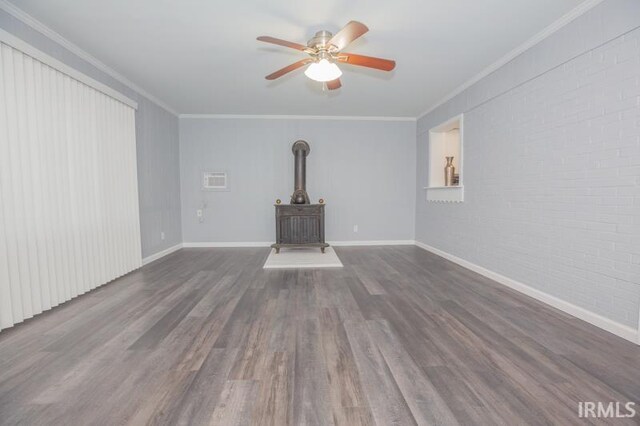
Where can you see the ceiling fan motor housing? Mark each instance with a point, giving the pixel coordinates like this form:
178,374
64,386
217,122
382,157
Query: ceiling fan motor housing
320,41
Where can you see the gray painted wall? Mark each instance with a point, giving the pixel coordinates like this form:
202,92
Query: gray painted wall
365,170
157,146
157,133
552,167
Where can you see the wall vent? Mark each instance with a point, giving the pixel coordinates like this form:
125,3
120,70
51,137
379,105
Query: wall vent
216,181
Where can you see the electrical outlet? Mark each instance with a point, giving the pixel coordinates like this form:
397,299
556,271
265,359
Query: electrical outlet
199,212
162,235
355,228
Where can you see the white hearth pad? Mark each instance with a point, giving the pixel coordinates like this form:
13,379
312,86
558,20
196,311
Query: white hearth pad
303,258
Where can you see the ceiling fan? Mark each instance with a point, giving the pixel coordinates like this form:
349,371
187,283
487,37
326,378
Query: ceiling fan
325,50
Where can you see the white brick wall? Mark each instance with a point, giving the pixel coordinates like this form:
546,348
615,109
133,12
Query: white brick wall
552,167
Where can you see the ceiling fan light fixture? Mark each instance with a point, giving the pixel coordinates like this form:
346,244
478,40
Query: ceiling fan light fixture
323,71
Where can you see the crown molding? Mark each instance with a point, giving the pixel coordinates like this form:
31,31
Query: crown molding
549,30
51,34
38,26
296,117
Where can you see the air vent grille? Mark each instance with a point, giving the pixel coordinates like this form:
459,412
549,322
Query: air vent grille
215,180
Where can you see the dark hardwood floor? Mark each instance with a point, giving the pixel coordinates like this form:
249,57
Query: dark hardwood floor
396,337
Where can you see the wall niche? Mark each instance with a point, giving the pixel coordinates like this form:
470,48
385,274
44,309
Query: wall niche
446,140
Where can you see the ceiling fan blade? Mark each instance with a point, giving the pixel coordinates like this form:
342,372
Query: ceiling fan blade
288,69
350,32
334,84
367,61
280,42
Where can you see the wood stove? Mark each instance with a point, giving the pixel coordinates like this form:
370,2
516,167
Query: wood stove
300,224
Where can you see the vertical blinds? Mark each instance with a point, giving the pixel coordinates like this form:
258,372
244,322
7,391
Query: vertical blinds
69,217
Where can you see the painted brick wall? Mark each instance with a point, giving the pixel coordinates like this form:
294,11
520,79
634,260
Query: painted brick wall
552,167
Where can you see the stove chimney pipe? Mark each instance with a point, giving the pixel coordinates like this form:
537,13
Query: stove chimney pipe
300,151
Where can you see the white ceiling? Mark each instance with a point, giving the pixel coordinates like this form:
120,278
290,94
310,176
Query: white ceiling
202,56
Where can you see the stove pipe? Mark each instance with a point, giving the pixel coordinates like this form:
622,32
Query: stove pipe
300,151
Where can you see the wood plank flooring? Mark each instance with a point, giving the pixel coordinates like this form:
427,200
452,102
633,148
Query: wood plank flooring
396,337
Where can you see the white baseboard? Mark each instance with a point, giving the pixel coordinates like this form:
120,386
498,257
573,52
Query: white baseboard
333,243
160,254
228,244
621,330
373,243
